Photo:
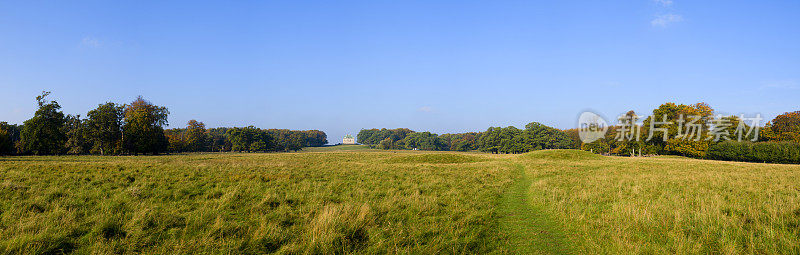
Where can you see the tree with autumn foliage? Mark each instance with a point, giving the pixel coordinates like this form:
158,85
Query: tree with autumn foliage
177,139
315,138
461,141
574,134
628,140
784,127
196,136
679,138
673,113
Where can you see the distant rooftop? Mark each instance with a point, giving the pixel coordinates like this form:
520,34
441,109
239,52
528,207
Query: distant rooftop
348,136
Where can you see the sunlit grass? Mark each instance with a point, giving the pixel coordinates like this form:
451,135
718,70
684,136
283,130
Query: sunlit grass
249,203
669,204
374,201
342,147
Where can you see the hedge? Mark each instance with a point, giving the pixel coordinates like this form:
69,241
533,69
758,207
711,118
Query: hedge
766,152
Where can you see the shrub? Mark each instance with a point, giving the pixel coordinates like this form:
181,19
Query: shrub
697,149
598,146
767,152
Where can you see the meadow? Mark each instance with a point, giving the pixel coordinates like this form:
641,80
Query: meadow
667,204
350,199
331,202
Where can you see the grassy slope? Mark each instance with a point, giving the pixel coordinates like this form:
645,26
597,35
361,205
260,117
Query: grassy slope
667,205
333,202
338,148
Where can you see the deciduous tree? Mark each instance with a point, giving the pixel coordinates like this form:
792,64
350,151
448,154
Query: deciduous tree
784,127
423,141
104,128
196,136
9,135
44,133
143,131
77,135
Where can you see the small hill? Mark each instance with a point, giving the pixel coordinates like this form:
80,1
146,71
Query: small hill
563,155
436,158
343,147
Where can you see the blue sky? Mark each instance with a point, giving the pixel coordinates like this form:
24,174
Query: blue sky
441,66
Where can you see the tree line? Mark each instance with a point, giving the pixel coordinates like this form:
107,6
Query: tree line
137,128
535,136
780,136
242,139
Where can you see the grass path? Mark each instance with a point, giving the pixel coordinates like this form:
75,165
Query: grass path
529,229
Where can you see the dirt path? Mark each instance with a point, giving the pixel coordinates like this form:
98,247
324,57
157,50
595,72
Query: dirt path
528,228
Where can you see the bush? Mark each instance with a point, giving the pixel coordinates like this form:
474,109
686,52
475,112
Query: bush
598,146
767,152
690,148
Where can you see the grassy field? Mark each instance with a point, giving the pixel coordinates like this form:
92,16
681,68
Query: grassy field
352,199
666,205
339,148
328,202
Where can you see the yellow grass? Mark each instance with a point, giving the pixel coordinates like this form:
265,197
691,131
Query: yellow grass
668,205
372,201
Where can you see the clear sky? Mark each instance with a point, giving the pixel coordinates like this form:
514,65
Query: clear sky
441,66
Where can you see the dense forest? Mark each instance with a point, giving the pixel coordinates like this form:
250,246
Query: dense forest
535,136
137,128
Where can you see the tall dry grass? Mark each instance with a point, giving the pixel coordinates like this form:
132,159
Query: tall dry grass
329,202
668,204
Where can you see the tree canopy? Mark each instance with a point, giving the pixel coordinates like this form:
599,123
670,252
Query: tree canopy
140,127
143,131
784,127
45,132
104,126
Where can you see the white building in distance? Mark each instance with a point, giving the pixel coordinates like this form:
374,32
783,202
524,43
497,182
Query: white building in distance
348,139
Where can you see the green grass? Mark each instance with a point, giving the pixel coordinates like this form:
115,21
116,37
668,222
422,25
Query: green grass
353,199
343,147
528,228
668,205
565,155
436,158
330,202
